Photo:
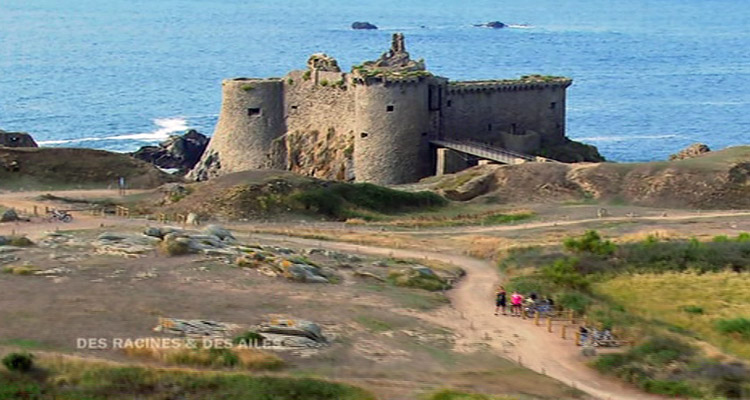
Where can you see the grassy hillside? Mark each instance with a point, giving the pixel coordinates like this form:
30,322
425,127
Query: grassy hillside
60,168
73,379
715,180
265,194
679,300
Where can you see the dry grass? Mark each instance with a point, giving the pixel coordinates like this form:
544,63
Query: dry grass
20,269
670,297
640,236
246,358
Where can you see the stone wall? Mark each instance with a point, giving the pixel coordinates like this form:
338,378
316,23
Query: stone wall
482,112
319,110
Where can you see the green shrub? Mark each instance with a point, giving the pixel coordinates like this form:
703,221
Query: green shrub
692,309
590,242
606,363
661,350
174,248
669,388
736,326
575,301
21,362
290,81
324,82
563,272
306,75
20,241
450,394
249,339
247,87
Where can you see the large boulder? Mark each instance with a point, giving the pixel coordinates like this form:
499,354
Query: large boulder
177,152
363,25
9,215
692,151
16,139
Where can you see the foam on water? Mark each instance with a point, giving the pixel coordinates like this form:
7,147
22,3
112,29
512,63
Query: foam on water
166,127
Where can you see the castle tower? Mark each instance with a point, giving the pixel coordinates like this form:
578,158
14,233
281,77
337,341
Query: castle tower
252,116
392,117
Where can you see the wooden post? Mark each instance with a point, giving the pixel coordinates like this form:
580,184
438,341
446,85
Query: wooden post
562,331
571,316
36,211
46,210
578,338
536,318
549,324
523,312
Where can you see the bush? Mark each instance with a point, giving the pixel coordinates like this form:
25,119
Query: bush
563,272
172,247
692,309
661,350
249,339
20,241
590,242
669,388
737,326
21,362
575,301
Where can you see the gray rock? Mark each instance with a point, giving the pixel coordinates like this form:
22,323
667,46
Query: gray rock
192,219
3,240
112,236
294,327
9,215
153,232
692,151
180,152
16,139
306,273
424,271
363,25
220,232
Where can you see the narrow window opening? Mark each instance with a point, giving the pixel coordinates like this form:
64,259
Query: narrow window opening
552,105
424,133
389,108
363,135
489,127
512,129
253,111
294,107
449,103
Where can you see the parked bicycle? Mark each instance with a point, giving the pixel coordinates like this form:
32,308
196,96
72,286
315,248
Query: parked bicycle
59,215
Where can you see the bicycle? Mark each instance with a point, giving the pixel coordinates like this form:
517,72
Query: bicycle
61,216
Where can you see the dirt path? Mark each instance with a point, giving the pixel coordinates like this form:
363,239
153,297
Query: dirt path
518,340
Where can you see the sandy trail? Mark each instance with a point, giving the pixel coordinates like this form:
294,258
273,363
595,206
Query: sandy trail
518,340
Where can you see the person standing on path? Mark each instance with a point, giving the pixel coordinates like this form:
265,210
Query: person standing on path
516,302
500,300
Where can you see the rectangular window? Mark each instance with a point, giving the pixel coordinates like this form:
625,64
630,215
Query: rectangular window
449,103
363,135
552,105
489,127
294,107
253,111
389,108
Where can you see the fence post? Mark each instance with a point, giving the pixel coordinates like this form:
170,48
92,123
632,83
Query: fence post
536,318
549,324
571,316
562,331
578,338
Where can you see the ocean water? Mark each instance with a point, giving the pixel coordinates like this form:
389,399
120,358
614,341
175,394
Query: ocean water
650,76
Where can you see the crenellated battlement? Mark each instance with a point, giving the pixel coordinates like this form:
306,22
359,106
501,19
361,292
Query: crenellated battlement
530,82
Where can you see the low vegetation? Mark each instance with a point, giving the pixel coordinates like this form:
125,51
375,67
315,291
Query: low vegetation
666,295
243,357
450,394
72,379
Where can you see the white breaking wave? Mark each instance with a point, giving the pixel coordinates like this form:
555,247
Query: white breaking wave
520,26
166,127
624,138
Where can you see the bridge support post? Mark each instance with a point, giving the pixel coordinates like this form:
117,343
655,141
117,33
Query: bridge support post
449,161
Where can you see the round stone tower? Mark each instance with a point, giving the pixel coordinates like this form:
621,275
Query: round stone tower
392,125
252,116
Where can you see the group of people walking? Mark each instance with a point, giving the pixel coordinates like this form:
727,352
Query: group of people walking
518,302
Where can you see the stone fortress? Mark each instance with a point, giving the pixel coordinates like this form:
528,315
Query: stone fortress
389,121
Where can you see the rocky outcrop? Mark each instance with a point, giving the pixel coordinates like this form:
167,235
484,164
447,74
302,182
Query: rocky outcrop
16,139
694,150
363,25
492,24
177,152
570,151
9,215
323,62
